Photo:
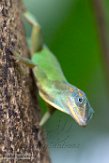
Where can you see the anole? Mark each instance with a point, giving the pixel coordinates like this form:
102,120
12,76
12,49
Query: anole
52,85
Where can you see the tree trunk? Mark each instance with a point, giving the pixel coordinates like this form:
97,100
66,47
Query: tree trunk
21,139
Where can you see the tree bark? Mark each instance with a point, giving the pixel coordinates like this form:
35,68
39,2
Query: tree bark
21,139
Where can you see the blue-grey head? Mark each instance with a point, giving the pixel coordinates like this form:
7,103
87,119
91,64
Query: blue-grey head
79,106
72,101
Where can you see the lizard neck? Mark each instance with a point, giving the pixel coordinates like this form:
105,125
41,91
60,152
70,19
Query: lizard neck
55,88
54,94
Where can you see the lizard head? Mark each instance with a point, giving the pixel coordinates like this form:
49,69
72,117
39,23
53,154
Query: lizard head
70,100
79,106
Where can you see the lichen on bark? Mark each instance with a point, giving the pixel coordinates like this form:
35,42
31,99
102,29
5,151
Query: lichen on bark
21,140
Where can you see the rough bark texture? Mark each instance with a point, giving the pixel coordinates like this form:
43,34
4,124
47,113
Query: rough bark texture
21,140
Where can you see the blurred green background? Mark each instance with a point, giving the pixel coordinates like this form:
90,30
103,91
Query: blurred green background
71,32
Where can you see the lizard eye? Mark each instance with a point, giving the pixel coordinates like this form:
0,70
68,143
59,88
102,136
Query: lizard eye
79,100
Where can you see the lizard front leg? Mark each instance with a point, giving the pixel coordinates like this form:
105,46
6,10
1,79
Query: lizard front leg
47,115
24,60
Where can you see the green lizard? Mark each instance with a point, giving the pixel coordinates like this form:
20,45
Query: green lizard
53,87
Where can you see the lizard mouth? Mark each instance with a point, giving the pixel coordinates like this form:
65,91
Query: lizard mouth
78,118
76,115
81,115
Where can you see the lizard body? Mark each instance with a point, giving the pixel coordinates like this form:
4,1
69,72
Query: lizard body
52,85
